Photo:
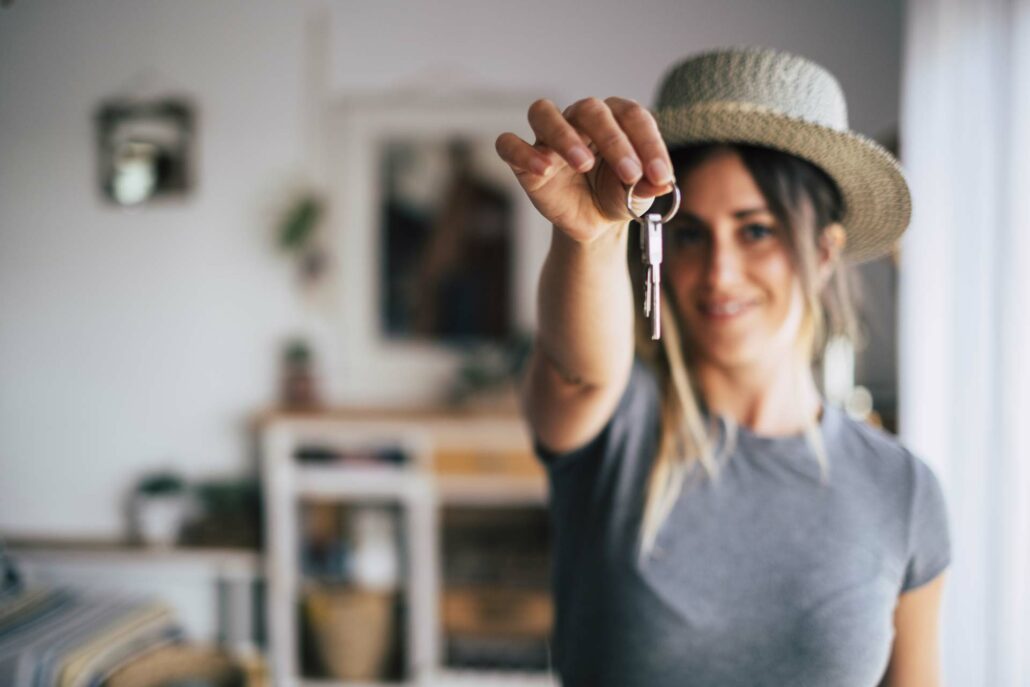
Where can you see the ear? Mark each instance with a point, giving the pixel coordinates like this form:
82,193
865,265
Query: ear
832,240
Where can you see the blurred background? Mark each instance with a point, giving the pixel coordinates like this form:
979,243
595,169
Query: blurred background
265,288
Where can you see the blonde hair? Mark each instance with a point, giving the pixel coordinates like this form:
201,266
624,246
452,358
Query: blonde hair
805,201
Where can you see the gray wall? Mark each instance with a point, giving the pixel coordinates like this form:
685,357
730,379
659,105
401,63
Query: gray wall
135,339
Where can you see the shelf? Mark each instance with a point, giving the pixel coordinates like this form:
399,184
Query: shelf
475,490
397,483
328,481
112,552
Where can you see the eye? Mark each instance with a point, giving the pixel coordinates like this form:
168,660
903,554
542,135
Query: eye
757,232
683,236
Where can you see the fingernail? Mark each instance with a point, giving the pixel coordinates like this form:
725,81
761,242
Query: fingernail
629,169
580,158
659,172
539,166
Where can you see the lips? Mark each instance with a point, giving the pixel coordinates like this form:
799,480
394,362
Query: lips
725,309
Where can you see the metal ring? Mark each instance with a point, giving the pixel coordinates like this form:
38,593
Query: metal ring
668,215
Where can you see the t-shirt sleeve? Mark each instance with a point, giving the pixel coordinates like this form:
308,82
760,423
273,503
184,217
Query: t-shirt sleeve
929,540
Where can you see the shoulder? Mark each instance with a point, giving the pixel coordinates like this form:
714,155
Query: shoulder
879,454
874,440
876,467
907,489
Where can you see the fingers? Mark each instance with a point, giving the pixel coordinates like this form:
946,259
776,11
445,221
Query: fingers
642,132
554,131
621,132
521,156
624,134
595,119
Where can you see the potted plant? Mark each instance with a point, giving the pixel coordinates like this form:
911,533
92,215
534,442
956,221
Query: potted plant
299,386
160,505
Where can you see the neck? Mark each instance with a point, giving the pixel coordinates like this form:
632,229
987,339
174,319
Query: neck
775,397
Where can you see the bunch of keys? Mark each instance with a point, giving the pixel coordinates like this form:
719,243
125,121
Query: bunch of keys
651,255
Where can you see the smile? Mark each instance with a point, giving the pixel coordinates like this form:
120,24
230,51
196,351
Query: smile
725,310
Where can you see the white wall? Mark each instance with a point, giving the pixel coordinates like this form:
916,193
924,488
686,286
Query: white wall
129,340
133,339
567,50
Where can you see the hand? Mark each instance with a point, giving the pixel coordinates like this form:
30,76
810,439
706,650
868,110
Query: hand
580,192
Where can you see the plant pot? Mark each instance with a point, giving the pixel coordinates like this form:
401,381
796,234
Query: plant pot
158,518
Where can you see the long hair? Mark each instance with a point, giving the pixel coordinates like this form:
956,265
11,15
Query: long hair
805,201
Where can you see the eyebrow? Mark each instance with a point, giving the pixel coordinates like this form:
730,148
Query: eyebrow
739,214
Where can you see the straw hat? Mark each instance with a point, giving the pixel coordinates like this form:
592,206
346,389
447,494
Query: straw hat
782,101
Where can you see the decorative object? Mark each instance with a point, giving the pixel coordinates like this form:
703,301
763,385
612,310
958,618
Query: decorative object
160,504
145,149
299,389
375,560
228,514
298,236
353,630
488,374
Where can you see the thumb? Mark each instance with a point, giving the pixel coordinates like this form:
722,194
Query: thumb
611,195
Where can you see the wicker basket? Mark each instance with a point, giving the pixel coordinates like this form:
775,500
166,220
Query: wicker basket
352,629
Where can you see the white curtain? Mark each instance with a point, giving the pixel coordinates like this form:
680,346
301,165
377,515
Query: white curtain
964,316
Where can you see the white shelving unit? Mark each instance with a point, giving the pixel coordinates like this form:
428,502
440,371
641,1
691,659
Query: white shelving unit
419,488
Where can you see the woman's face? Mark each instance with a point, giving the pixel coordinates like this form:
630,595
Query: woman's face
728,261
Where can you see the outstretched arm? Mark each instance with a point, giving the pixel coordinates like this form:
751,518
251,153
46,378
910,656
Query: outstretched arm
584,346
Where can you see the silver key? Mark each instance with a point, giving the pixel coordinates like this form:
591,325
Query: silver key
651,255
647,293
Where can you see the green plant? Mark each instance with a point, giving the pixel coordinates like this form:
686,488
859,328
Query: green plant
490,366
297,352
299,223
162,483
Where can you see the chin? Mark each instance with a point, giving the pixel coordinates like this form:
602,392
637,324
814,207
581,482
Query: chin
728,356
731,360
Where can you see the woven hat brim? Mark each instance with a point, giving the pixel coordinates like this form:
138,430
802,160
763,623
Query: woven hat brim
877,202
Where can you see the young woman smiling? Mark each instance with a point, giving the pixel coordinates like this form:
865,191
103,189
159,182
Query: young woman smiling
715,522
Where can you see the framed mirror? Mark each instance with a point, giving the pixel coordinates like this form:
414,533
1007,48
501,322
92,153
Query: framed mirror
438,246
145,149
446,236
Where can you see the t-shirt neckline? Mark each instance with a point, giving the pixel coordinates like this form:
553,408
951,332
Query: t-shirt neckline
790,445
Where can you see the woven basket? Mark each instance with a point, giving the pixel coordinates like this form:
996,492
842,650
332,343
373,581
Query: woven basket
352,630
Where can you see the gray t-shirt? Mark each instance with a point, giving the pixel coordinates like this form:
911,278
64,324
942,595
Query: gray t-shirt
766,577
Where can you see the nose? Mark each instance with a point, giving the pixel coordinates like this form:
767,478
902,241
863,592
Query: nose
723,267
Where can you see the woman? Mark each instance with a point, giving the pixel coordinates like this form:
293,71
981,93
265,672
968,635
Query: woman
715,522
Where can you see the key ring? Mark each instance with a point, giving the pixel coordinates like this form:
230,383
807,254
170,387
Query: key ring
668,215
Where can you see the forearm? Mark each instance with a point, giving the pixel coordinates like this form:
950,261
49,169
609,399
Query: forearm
585,305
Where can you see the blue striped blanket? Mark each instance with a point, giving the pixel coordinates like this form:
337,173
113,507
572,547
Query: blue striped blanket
62,638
